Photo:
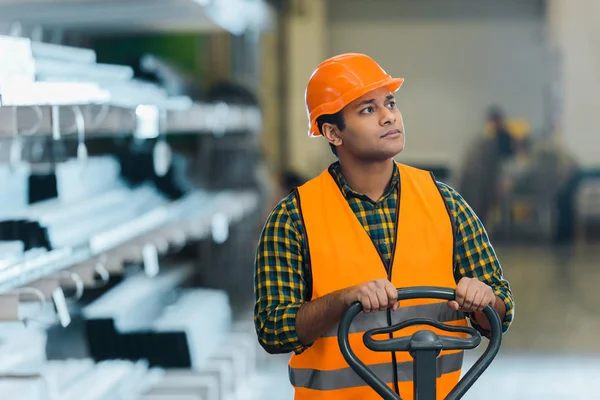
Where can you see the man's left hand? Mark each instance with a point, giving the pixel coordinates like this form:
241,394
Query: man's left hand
472,295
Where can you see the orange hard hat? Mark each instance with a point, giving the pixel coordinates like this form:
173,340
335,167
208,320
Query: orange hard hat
338,81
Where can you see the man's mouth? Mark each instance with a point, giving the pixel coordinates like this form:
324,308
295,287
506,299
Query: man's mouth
393,132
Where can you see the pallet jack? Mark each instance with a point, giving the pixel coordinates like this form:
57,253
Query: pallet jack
424,346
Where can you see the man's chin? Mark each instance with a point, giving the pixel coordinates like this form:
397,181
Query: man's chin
390,154
397,150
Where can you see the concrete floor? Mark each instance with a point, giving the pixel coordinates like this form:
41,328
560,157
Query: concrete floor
552,350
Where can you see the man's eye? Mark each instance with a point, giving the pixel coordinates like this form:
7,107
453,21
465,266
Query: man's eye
392,104
367,110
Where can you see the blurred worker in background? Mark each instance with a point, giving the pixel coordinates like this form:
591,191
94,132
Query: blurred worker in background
483,178
504,141
362,228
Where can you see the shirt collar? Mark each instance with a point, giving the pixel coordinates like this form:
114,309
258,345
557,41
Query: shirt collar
336,172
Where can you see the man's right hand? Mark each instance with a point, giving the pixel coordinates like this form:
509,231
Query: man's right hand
377,295
318,316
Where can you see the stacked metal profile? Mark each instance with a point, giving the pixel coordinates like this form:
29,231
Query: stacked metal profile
52,86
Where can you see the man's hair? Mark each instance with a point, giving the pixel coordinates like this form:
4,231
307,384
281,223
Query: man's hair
336,119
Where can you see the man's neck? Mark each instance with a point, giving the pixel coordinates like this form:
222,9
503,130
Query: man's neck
370,178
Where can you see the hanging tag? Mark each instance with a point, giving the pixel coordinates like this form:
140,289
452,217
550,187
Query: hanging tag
16,145
161,157
16,151
60,303
220,119
219,228
150,260
147,119
82,152
55,112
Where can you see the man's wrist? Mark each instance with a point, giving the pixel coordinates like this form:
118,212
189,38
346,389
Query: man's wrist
481,319
343,298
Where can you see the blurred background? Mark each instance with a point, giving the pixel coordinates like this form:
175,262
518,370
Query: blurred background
144,142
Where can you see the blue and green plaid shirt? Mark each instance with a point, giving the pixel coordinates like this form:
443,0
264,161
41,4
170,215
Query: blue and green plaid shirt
280,280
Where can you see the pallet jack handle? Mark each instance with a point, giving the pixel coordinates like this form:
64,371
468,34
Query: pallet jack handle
424,341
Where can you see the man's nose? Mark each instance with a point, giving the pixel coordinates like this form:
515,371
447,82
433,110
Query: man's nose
387,117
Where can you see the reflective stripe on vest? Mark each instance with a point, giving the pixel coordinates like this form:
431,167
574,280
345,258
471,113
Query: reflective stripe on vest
346,378
341,255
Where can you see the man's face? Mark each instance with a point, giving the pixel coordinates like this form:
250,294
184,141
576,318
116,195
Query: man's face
374,127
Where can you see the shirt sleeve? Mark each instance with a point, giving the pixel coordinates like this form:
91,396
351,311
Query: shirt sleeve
279,285
475,256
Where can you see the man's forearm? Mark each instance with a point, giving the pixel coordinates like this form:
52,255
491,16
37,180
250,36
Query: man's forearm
316,317
500,308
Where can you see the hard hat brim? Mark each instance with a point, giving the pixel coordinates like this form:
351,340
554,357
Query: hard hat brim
393,85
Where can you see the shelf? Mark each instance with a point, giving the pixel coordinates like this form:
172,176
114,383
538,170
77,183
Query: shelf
145,121
22,273
115,16
197,216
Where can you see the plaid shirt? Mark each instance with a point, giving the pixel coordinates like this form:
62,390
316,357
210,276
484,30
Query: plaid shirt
280,267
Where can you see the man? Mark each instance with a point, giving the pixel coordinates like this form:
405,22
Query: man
359,230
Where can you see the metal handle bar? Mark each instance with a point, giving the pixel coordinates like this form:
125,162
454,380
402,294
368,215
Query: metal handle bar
404,343
421,292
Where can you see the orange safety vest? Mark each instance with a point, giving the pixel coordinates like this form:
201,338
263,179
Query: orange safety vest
343,255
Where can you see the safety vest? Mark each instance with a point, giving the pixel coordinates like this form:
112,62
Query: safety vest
343,255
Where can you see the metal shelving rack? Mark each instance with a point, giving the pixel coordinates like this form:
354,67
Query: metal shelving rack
43,107
53,94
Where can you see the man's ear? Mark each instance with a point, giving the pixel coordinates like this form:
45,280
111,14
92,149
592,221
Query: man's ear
332,134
